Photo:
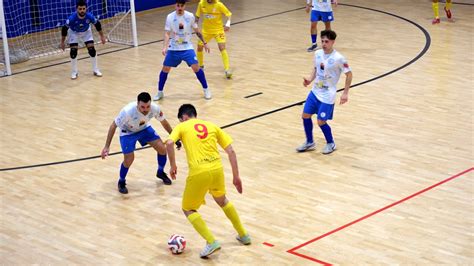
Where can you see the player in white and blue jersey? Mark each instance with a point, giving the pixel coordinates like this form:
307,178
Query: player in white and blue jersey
78,28
178,47
321,10
134,124
328,66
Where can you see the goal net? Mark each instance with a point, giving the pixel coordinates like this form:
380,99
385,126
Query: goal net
33,27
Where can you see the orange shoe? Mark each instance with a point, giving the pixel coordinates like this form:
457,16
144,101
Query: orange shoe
435,21
448,13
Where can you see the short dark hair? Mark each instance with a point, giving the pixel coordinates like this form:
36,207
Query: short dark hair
81,3
183,2
331,35
187,109
144,97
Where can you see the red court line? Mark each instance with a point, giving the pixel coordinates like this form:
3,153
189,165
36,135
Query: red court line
268,244
292,251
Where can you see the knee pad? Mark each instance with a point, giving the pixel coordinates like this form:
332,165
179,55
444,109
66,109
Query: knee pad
91,51
73,53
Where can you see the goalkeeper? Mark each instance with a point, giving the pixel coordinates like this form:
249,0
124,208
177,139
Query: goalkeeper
213,28
78,28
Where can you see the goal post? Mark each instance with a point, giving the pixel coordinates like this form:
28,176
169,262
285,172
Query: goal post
32,28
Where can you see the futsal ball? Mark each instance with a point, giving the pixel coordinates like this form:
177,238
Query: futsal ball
176,244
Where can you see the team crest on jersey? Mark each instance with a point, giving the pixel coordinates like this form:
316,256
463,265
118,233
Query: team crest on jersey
141,123
321,66
331,61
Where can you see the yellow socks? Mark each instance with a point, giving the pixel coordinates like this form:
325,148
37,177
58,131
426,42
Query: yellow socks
436,9
200,57
200,226
225,59
448,5
231,213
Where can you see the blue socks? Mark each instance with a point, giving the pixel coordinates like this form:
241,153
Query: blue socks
162,80
313,38
123,172
161,163
327,133
202,78
308,129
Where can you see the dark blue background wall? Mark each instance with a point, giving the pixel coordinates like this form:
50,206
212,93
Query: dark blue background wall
141,5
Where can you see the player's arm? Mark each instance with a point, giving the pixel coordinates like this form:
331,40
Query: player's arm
228,14
308,6
307,81
98,27
110,135
334,2
166,42
64,30
172,158
235,167
347,85
199,35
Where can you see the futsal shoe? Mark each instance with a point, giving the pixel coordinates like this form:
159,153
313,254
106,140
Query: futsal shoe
435,21
163,176
159,96
312,48
448,14
245,240
122,187
97,73
209,249
306,147
207,94
330,147
74,75
228,74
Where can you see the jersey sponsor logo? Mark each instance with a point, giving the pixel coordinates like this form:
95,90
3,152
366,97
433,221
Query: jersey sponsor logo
321,66
141,123
346,65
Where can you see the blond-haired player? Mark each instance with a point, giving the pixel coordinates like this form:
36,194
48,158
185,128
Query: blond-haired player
212,28
206,174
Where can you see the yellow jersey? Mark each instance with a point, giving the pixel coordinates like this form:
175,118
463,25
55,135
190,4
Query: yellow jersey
212,16
200,140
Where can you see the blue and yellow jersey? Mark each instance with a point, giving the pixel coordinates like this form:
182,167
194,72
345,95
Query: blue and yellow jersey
212,16
200,139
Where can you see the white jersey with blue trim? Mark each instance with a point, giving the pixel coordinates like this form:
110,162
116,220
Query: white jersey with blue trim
328,70
181,30
322,5
77,24
130,120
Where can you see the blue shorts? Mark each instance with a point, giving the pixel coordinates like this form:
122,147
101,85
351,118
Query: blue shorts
314,106
174,58
321,16
128,141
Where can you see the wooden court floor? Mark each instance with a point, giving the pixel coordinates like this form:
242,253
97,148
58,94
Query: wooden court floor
398,190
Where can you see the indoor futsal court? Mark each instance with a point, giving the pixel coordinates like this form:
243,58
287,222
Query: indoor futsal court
399,189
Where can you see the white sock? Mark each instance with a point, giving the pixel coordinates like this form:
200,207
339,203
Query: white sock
95,67
74,65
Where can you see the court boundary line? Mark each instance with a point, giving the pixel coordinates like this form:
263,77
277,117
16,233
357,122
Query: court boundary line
422,53
293,250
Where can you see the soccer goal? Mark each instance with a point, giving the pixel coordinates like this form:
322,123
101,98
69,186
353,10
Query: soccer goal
32,29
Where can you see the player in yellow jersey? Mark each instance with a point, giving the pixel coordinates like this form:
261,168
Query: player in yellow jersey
212,28
206,174
447,9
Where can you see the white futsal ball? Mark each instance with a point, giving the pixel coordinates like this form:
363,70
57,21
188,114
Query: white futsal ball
176,244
